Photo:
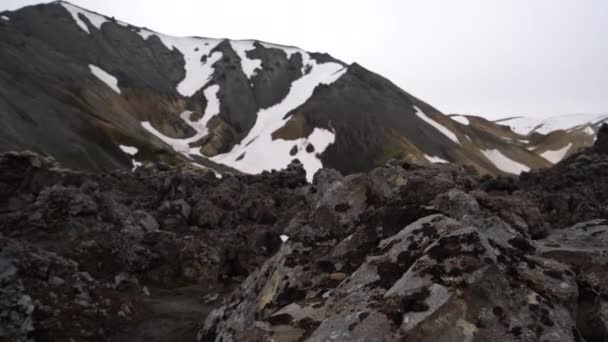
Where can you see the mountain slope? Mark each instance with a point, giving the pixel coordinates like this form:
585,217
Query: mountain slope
99,94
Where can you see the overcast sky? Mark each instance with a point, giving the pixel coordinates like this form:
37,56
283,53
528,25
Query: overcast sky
493,58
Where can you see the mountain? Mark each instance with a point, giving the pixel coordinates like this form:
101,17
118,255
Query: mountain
99,94
553,138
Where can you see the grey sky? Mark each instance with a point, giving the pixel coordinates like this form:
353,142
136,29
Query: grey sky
493,58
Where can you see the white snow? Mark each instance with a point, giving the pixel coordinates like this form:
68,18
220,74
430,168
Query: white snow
437,126
198,73
180,145
284,238
105,77
569,121
520,125
249,66
503,162
462,119
130,150
433,159
5,18
95,19
183,145
555,156
589,131
213,103
136,164
259,152
525,126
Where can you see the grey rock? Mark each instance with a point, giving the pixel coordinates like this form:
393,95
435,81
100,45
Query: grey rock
146,221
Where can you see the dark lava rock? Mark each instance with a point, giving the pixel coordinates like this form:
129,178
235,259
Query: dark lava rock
601,144
373,262
400,253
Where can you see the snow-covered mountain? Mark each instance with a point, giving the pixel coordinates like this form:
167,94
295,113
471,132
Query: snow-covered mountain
527,126
98,94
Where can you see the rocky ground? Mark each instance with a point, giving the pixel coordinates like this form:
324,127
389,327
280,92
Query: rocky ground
402,253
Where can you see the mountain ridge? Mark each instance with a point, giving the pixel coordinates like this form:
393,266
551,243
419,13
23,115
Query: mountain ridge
240,105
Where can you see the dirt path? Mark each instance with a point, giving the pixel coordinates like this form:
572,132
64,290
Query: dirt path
168,315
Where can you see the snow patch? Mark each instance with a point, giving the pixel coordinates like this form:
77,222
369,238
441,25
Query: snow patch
555,156
213,106
5,18
183,145
461,119
130,150
434,160
569,121
262,153
520,125
136,164
503,162
589,131
525,126
437,125
198,73
95,19
105,77
248,65
284,238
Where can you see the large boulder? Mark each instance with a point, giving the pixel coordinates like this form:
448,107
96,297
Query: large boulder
601,143
435,280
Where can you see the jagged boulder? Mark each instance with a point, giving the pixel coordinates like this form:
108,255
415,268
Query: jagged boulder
601,143
435,280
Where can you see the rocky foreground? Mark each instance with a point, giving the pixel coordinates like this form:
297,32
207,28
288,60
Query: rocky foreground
403,253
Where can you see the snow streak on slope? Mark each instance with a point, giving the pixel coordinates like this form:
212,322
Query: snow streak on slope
258,152
248,65
132,151
461,119
183,145
435,159
504,163
437,126
520,125
105,77
555,156
198,73
525,126
569,121
5,18
95,19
